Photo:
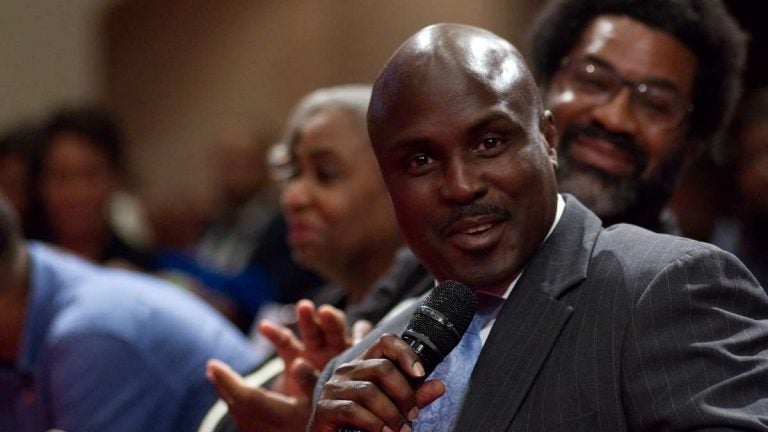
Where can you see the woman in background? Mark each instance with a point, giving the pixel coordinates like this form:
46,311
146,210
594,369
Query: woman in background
340,225
340,221
80,171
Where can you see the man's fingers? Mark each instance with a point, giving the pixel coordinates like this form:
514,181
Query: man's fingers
360,329
287,345
255,409
369,397
309,324
331,414
333,324
429,392
395,349
305,376
229,384
383,376
375,384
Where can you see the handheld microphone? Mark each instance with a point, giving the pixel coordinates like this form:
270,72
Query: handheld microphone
438,325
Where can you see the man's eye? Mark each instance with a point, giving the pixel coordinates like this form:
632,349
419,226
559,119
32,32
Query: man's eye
657,106
418,161
490,144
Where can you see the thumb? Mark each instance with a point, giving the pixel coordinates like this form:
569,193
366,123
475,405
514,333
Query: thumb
230,386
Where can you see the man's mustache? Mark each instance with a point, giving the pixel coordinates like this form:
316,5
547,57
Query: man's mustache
472,210
622,141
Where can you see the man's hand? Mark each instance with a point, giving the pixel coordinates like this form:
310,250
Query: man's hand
373,392
258,410
324,335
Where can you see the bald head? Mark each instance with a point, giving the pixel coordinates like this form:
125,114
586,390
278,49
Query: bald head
445,58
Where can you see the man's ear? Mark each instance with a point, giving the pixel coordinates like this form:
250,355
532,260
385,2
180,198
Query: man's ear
551,137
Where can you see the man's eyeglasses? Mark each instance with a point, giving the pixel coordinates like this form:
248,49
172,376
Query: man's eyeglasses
655,104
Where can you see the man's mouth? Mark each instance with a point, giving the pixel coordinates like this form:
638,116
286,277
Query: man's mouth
472,224
603,156
478,229
476,233
614,154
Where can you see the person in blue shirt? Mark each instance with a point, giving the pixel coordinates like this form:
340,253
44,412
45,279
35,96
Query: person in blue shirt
86,348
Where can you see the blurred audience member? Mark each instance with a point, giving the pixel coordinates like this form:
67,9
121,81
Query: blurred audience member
177,222
746,233
86,348
246,201
637,88
177,225
16,150
215,259
341,225
239,260
340,220
80,169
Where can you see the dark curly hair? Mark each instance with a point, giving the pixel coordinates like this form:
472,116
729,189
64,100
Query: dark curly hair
98,125
704,26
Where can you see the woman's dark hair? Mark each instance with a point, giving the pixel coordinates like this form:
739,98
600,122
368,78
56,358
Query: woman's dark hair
97,125
704,26
21,141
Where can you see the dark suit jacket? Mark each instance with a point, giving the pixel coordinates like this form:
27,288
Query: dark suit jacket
620,329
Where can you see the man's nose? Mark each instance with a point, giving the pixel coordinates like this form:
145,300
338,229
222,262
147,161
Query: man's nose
462,182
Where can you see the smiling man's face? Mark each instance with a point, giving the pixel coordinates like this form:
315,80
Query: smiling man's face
467,158
613,156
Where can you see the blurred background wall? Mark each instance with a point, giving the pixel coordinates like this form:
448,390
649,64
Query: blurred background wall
51,51
178,71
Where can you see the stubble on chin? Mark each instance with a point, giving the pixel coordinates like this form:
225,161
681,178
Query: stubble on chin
606,196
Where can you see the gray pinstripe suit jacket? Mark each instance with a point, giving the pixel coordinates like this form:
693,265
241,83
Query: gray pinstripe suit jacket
620,329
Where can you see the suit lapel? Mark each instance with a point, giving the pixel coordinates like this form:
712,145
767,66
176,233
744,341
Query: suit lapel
529,323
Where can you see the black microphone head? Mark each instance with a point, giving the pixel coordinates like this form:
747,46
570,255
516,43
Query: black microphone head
440,321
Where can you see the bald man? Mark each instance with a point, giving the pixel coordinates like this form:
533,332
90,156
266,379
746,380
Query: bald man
594,328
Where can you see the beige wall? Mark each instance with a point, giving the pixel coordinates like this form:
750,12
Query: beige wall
176,70
51,53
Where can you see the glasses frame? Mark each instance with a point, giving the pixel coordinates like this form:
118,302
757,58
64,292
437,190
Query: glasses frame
637,89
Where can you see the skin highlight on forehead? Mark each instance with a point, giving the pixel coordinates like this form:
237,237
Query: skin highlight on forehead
483,59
